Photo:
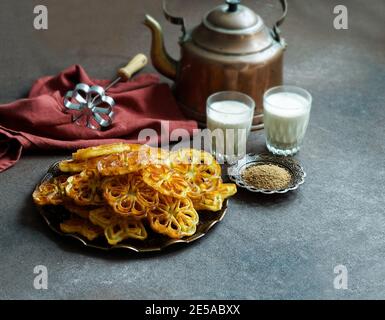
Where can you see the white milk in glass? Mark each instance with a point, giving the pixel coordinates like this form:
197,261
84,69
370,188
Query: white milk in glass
286,117
230,123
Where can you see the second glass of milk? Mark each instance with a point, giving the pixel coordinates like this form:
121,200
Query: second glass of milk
286,117
229,118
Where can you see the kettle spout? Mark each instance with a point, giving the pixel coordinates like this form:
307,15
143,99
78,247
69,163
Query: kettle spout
162,62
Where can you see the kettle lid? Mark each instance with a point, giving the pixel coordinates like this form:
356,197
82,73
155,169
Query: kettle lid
232,28
232,17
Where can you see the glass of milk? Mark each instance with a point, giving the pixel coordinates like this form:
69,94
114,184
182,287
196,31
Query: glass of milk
229,118
286,117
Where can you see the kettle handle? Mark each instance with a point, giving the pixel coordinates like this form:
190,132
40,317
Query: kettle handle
276,30
173,19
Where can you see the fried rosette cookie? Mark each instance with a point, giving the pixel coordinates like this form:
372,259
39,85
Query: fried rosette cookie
85,188
130,161
120,163
198,168
80,211
166,180
117,228
194,157
213,200
103,150
175,218
82,227
129,196
76,166
51,192
125,229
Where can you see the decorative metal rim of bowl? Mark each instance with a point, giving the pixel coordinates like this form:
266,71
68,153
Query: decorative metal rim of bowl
289,163
53,215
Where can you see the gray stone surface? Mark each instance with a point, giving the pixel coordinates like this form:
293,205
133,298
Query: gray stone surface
267,247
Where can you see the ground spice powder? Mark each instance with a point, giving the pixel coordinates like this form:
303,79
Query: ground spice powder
267,176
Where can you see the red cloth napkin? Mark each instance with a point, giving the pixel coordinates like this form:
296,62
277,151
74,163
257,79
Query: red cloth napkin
39,122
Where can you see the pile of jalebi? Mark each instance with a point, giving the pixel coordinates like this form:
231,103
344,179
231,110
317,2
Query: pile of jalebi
117,190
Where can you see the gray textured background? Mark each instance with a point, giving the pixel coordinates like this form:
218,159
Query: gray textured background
267,247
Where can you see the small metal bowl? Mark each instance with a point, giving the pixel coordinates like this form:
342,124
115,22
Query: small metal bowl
290,164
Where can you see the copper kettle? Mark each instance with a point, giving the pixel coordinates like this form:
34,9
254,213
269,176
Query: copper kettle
232,49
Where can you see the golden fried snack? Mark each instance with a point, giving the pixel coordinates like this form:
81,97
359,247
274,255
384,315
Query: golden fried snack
85,188
124,229
198,168
210,201
200,177
119,163
51,191
194,157
82,227
130,161
227,190
81,211
75,166
129,196
115,187
173,217
166,181
199,188
155,156
103,217
187,160
117,229
72,166
103,150
213,200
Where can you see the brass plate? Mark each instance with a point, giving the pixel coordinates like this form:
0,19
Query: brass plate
54,215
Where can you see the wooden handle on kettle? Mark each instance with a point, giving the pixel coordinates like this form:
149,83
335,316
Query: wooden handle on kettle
136,64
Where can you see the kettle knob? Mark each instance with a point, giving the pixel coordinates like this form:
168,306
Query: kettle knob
233,5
